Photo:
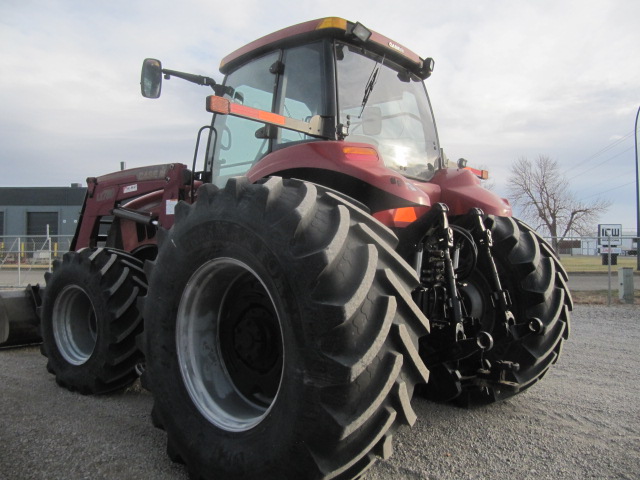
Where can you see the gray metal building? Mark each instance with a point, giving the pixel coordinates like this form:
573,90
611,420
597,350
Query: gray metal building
27,211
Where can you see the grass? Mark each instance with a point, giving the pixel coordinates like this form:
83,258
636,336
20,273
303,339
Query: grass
593,264
599,297
586,263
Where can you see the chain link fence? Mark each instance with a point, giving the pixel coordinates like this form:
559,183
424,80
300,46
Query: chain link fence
583,245
25,259
596,254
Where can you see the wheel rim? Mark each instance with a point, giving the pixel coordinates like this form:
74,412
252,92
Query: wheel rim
74,325
229,344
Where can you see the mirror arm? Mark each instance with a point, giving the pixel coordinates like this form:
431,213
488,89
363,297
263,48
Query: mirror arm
197,79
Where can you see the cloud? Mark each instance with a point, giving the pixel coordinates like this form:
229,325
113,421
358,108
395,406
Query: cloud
512,78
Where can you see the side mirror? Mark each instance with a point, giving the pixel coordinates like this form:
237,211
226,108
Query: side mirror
151,78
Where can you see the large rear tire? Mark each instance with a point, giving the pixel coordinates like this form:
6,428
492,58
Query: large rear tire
90,320
280,334
536,283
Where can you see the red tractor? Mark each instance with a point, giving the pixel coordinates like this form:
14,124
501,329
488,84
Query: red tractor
284,300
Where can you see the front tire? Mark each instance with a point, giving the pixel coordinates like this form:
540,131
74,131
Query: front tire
281,339
90,320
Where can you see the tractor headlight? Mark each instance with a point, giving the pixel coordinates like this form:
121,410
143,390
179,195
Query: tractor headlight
362,32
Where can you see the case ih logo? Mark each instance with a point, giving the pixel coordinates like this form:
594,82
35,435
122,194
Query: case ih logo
397,47
151,173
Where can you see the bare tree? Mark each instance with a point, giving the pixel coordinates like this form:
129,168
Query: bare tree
543,197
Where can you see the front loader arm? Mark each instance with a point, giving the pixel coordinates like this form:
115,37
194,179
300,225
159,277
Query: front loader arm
123,209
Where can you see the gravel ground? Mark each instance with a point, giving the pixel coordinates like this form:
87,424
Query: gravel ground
582,421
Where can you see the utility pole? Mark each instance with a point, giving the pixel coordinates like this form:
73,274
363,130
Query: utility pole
637,199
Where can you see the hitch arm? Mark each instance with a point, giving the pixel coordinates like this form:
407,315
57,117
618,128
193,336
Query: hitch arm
485,242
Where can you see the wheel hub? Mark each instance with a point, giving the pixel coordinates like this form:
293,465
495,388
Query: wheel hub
229,344
74,325
253,340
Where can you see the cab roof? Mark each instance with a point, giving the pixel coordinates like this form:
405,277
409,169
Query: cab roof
329,27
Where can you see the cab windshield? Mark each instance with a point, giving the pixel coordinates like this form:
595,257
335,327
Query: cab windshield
395,116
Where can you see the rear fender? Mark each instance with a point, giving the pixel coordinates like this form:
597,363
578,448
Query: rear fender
395,200
461,191
355,169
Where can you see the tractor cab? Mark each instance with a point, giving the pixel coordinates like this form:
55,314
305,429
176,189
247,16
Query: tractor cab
323,80
365,89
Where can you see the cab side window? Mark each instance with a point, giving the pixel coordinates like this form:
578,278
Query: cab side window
301,92
237,147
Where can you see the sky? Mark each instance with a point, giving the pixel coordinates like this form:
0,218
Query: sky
512,78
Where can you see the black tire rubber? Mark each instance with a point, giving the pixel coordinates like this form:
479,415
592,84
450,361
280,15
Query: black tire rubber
90,320
537,284
348,332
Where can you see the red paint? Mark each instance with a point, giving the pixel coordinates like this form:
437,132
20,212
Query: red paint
330,155
145,189
461,190
308,31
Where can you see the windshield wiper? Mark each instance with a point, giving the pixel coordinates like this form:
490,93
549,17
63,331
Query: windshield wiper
370,84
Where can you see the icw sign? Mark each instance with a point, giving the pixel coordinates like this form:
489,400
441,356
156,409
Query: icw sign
609,235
